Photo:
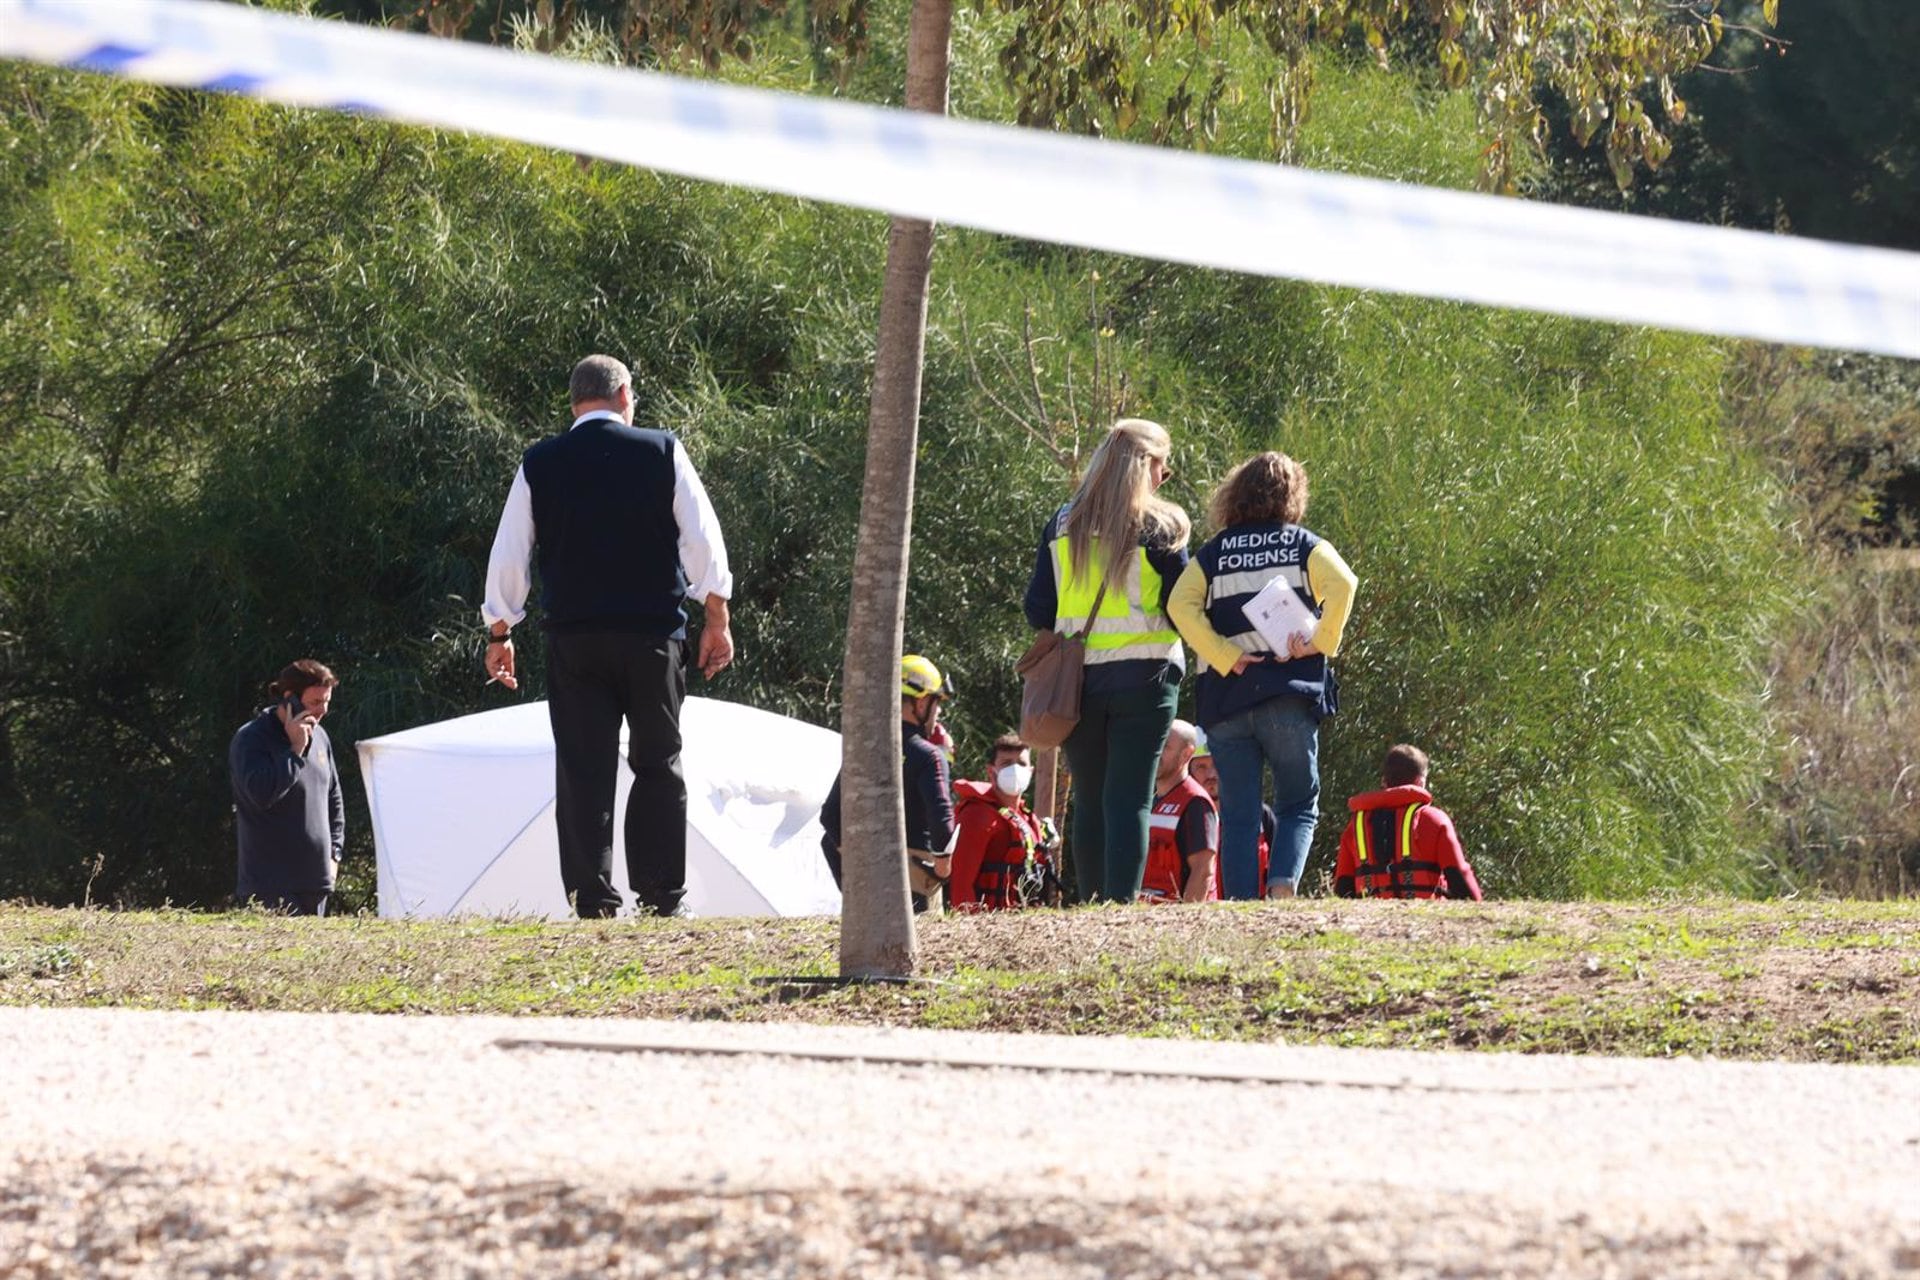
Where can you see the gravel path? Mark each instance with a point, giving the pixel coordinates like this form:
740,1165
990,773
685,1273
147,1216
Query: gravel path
292,1144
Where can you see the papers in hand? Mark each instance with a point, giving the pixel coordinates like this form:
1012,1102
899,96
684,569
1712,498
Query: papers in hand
1277,612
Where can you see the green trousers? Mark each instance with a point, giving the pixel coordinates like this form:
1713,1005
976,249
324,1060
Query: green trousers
1114,753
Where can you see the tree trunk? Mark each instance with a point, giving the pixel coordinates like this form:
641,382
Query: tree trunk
876,920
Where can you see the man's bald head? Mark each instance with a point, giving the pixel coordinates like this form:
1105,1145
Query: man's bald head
1174,757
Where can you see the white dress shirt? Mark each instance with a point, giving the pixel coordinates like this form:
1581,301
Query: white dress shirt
703,551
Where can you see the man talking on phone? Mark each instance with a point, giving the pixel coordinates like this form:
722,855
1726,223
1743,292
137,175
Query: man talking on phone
287,809
624,535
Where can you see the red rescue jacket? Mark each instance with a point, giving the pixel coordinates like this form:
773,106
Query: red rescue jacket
994,843
1399,844
1166,875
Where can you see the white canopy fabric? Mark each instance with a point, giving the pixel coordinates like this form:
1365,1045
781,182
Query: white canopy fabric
463,814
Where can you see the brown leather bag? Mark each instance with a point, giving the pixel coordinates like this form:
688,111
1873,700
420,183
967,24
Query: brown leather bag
1052,668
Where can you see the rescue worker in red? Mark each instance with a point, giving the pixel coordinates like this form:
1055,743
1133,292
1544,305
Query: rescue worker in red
1183,828
1400,844
1000,856
1207,774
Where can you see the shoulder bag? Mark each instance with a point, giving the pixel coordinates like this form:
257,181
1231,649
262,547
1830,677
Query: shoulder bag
1052,668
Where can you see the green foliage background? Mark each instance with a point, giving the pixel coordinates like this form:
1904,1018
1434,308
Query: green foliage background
265,375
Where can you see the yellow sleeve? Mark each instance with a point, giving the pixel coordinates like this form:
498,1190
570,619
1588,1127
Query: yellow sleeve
1187,606
1333,585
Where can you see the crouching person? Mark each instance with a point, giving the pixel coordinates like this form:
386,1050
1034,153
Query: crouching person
1002,854
288,814
1400,844
1183,828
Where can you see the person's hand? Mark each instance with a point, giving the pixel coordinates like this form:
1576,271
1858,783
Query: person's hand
1245,660
299,728
1298,646
716,639
499,662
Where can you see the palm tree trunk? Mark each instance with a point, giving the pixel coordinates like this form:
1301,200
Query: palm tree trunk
876,921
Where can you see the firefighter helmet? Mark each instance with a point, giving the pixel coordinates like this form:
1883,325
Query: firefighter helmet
918,678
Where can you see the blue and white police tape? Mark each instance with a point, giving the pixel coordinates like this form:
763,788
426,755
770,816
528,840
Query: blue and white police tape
1265,219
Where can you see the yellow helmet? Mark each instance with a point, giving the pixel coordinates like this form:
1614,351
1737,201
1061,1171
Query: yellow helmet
918,678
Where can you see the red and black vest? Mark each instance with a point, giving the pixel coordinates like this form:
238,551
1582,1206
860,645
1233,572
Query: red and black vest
1166,876
1384,863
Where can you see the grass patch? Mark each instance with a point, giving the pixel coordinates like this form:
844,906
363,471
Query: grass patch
1832,982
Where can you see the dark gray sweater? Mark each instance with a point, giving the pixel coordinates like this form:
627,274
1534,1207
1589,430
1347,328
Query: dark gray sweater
287,810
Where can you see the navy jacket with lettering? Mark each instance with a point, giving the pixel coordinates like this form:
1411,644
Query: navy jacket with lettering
1238,562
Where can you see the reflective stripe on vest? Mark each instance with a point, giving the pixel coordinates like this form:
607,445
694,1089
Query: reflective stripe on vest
1125,629
1251,581
1399,874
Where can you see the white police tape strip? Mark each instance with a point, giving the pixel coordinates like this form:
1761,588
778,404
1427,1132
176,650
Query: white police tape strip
1265,219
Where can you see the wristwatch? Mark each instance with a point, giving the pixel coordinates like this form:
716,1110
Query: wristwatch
505,638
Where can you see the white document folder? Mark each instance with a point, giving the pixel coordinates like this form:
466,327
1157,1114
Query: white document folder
1277,612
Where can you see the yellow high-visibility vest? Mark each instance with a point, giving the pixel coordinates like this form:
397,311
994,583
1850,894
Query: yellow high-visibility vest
1127,628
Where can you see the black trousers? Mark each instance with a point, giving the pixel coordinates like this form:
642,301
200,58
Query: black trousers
595,680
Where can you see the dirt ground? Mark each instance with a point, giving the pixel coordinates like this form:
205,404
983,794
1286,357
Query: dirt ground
1803,981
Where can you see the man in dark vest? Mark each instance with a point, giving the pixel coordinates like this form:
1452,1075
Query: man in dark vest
624,534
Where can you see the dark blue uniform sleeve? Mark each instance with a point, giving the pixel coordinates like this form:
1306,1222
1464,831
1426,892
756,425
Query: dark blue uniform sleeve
830,830
1043,594
1169,564
830,817
929,779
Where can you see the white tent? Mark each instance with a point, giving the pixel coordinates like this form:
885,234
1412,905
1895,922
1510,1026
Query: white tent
463,814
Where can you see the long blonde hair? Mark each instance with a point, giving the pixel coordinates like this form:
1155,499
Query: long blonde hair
1116,504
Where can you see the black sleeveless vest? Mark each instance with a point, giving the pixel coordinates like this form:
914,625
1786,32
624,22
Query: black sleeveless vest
605,536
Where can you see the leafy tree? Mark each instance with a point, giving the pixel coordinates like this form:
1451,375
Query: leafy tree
1819,123
1811,126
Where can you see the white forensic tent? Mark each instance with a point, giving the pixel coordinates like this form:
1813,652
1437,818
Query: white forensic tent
463,814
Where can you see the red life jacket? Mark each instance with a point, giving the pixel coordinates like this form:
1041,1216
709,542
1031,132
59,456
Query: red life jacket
1166,876
1012,848
1386,867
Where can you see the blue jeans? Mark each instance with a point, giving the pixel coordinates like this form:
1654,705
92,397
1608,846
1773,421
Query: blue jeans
1114,753
1283,732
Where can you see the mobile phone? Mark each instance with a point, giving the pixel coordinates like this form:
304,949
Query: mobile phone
295,707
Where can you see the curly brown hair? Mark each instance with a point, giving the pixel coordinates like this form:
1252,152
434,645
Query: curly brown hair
1266,487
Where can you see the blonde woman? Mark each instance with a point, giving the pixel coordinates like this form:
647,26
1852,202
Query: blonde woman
1118,546
1262,709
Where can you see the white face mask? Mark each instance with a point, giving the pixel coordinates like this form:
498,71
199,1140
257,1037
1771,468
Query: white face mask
1013,778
